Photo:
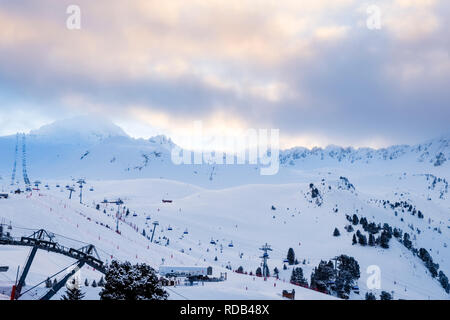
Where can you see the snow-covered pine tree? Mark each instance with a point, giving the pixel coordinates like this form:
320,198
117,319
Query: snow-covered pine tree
297,277
131,282
73,293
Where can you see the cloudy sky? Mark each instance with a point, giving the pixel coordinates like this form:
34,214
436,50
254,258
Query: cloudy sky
313,69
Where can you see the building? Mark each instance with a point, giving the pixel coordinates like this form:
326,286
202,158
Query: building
184,271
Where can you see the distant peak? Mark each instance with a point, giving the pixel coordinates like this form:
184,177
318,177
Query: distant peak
88,127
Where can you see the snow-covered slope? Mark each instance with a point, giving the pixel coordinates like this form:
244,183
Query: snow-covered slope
75,225
314,192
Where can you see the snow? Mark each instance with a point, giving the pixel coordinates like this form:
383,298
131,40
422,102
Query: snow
226,204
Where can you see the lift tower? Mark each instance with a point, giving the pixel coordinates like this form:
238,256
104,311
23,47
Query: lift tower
70,189
155,223
117,202
81,182
265,248
13,175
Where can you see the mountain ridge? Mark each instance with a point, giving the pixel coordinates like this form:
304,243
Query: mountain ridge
102,150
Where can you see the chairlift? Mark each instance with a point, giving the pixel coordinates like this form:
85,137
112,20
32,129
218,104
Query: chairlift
91,189
212,241
231,244
186,231
169,228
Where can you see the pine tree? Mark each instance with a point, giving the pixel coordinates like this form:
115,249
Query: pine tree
86,283
385,296
336,232
370,296
428,260
131,282
348,273
73,293
101,282
406,241
258,272
362,239
371,240
355,220
94,284
297,277
48,283
354,240
291,256
443,280
322,276
384,240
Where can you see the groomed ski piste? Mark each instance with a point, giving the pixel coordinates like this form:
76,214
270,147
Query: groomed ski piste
70,221
222,219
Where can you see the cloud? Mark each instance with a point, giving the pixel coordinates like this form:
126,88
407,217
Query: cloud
310,68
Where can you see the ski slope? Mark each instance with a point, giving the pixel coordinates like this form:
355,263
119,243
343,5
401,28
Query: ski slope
72,222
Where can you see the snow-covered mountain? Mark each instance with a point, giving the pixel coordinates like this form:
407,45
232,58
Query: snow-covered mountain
97,149
84,129
401,191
